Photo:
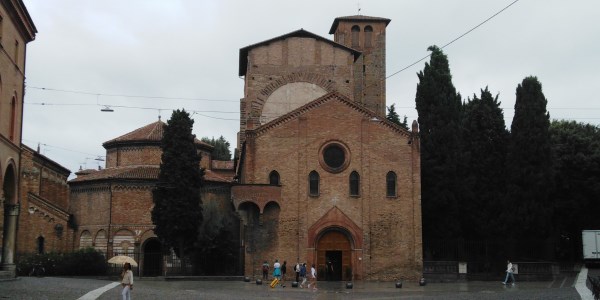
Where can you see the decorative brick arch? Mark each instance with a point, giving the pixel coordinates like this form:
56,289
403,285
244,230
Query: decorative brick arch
324,82
335,219
9,182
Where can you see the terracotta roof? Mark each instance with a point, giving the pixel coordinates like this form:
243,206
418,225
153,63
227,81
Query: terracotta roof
221,165
298,33
126,172
150,133
358,18
214,177
141,172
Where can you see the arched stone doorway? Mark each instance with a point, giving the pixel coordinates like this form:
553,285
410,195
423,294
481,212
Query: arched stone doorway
334,255
152,260
10,214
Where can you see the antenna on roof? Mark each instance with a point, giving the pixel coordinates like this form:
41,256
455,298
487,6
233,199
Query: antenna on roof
358,6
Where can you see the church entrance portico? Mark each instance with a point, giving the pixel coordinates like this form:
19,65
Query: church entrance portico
335,247
334,256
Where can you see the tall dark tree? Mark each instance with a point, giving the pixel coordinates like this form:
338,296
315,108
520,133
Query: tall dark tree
177,212
439,108
529,165
404,122
576,152
392,115
484,156
221,151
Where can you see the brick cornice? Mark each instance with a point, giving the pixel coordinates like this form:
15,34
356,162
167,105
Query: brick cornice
332,96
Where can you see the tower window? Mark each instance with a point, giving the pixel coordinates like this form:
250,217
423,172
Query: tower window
355,31
313,183
274,178
390,179
368,36
354,183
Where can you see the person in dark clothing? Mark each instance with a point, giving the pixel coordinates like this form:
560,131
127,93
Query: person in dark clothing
283,270
265,270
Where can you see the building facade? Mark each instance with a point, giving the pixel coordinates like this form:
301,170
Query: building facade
44,220
323,177
112,206
16,30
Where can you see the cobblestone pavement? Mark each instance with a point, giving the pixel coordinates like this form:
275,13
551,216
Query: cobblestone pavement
73,288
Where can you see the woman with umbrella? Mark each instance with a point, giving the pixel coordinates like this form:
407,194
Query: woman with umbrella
127,281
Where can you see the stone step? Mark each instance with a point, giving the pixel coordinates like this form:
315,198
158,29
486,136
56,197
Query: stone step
7,275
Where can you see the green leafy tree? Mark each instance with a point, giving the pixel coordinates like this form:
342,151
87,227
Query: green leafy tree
218,241
392,115
221,150
484,158
177,212
439,108
404,123
576,152
529,164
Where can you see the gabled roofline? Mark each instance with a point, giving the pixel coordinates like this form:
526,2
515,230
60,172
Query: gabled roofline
318,102
298,33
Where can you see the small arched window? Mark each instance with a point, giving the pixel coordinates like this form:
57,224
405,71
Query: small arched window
355,32
274,178
390,179
354,183
40,245
313,183
368,36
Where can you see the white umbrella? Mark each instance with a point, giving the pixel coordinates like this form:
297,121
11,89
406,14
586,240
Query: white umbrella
121,259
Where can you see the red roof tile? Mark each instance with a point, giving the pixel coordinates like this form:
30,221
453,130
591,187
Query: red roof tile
125,172
150,133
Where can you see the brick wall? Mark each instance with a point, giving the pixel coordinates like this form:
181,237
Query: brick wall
390,226
44,203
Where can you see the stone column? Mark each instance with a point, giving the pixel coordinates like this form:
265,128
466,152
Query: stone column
11,213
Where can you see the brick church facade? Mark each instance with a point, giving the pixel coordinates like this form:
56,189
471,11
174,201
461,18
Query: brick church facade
323,177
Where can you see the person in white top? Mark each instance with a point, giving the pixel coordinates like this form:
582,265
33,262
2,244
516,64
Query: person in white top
127,281
313,277
509,273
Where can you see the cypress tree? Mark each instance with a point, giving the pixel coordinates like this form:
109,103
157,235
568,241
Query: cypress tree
484,144
177,212
439,108
576,152
529,165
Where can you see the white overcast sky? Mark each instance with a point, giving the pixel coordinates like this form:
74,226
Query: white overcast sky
190,49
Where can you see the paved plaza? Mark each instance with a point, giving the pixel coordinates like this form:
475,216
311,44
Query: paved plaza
76,288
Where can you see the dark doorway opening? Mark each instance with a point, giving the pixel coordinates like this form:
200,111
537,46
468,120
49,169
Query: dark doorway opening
333,265
152,258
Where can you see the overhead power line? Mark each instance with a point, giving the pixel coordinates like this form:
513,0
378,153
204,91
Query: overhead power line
129,96
455,39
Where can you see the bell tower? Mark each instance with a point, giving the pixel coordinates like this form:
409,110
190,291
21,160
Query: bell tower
367,35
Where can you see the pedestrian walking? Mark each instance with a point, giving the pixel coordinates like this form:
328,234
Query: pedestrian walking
510,269
303,275
265,270
127,281
297,270
283,271
313,277
277,270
